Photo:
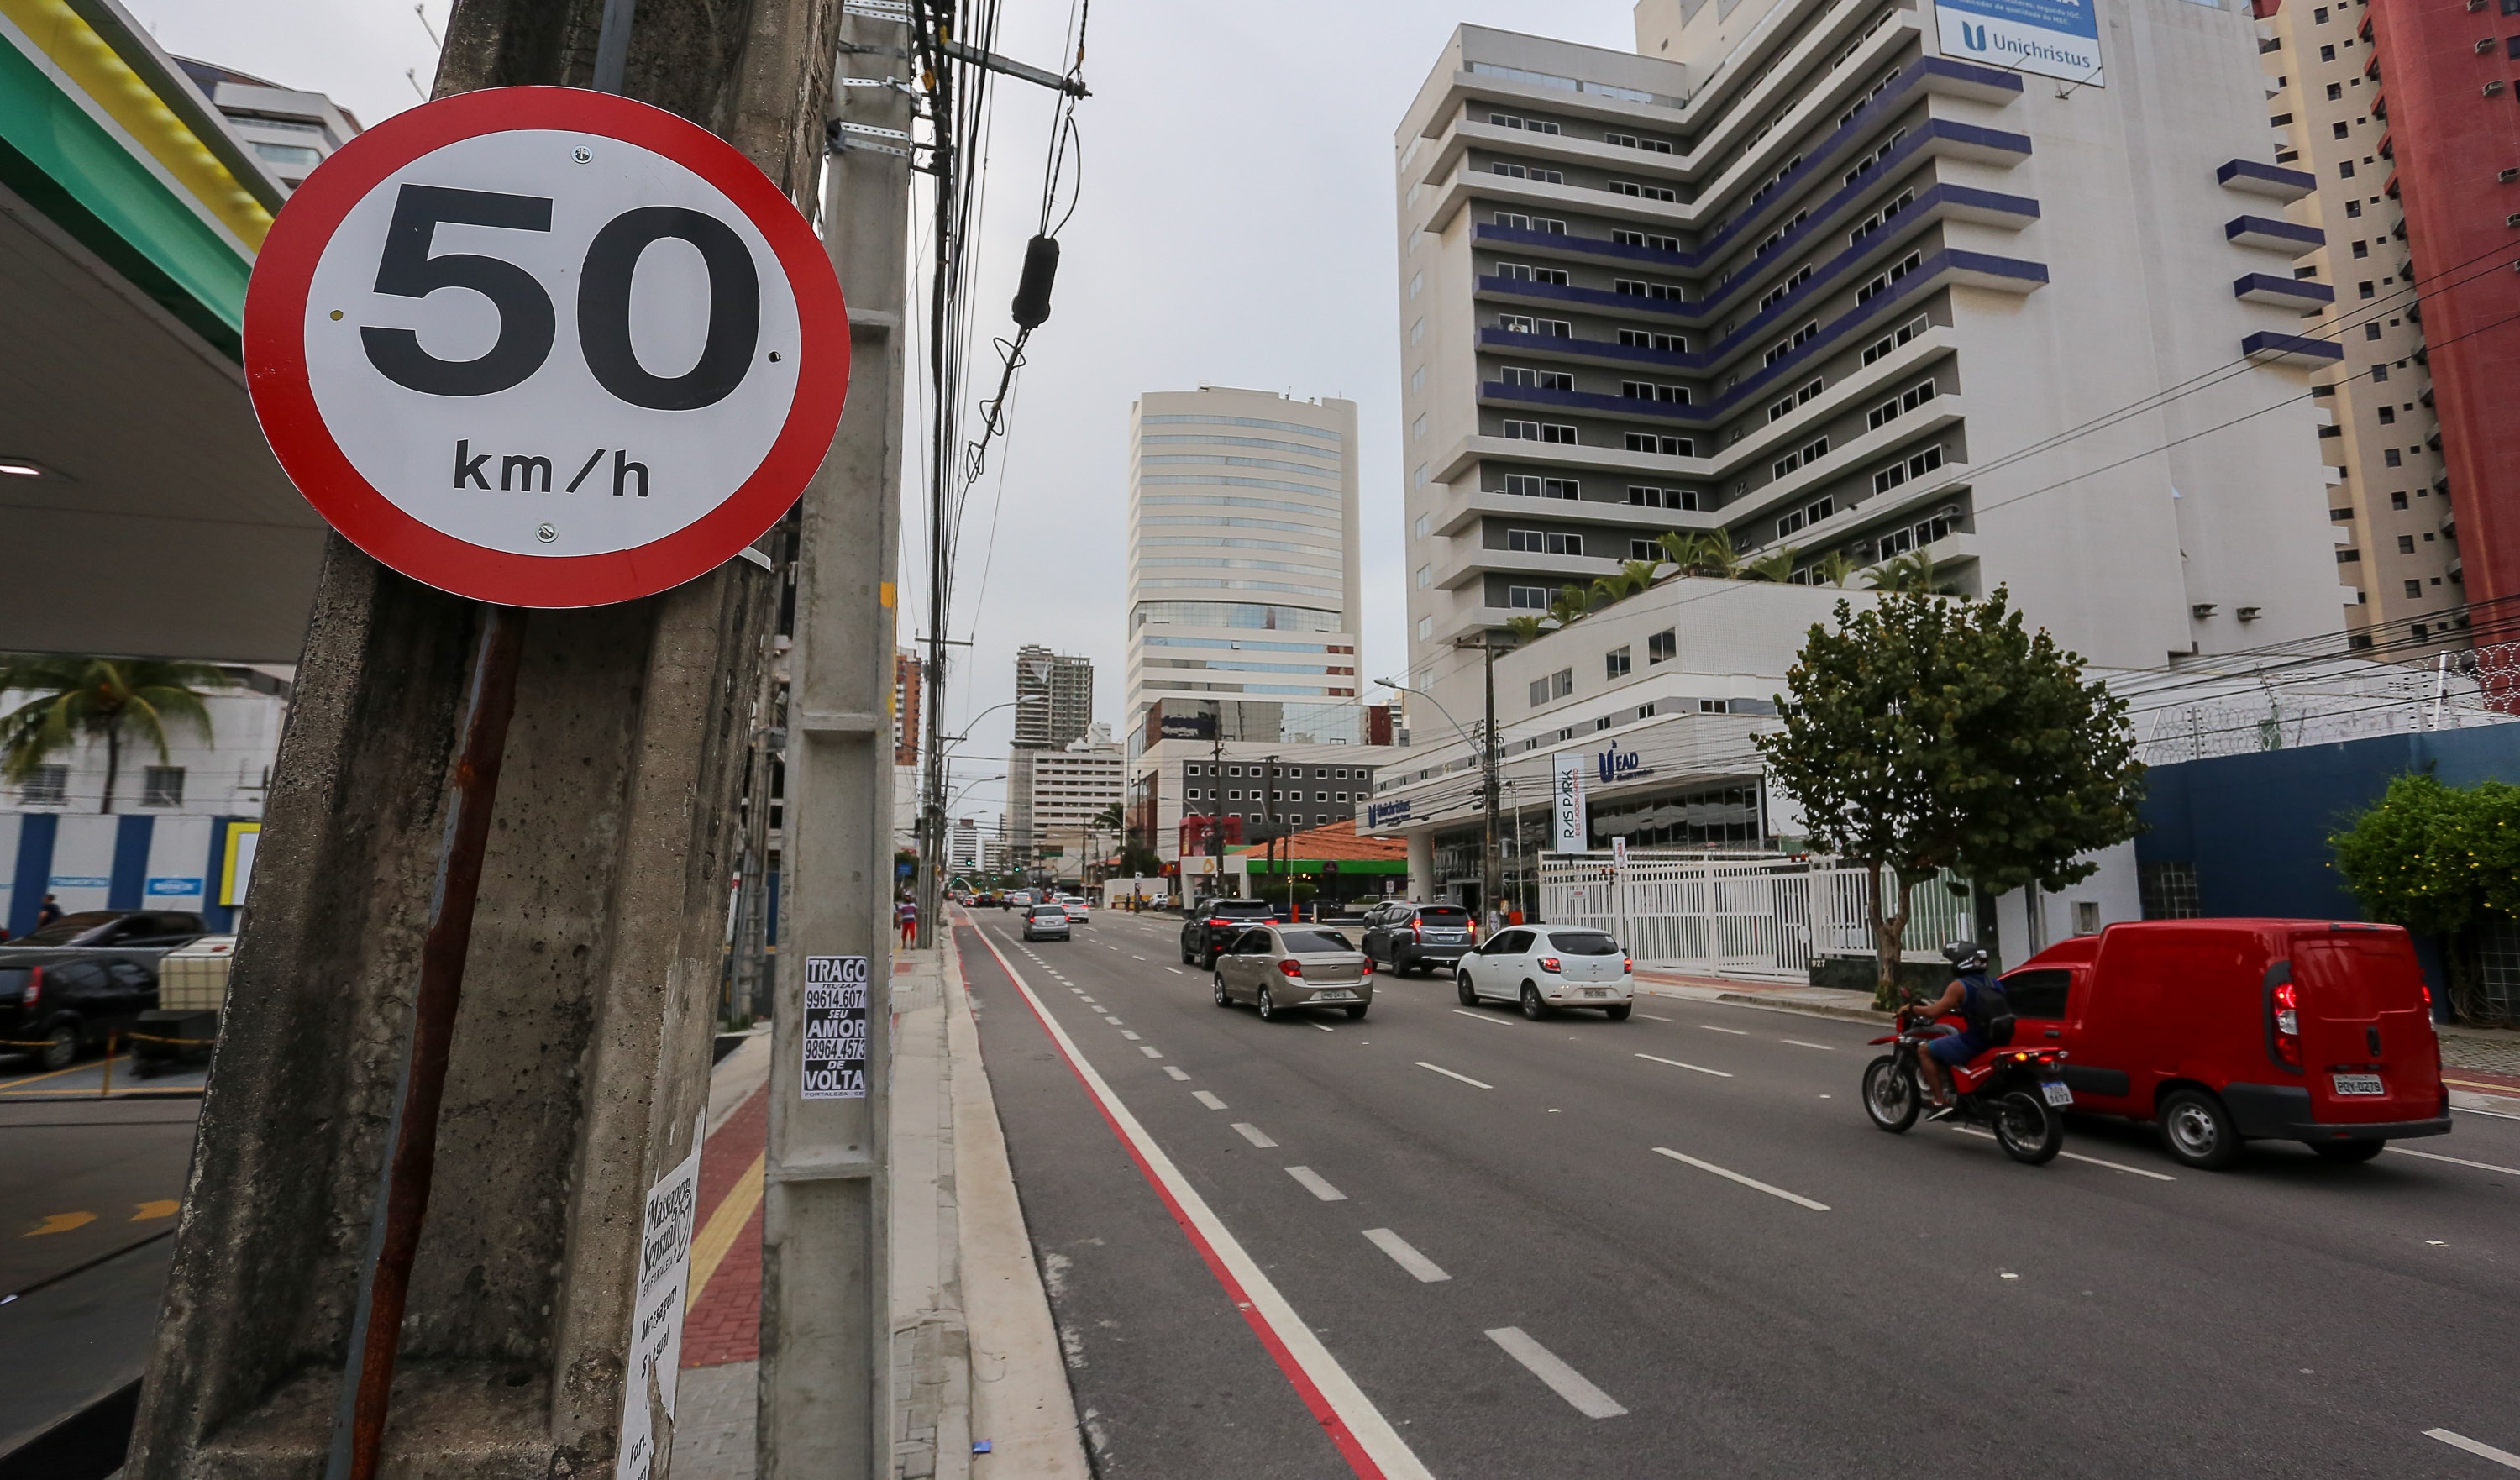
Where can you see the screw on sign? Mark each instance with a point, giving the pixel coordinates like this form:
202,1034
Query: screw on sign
540,347
546,347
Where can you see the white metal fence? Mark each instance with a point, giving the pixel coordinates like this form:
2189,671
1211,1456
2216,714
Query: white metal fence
1737,913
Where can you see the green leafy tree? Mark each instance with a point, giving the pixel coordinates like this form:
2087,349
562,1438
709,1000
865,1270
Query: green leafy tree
1716,557
99,699
1775,565
1525,629
1905,573
1632,578
1833,568
2439,861
1573,604
1680,548
1926,734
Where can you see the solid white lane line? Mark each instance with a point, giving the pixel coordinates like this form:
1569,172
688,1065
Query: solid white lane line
1449,1074
1677,1064
1799,1043
1151,1053
1736,1032
1563,1380
1407,1258
2482,1166
1130,1034
1329,1394
1174,1072
2502,1458
2114,1166
1748,1181
1481,1018
1315,1185
1253,1133
1207,1099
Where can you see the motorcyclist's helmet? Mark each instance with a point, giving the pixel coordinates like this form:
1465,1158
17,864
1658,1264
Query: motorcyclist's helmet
1964,955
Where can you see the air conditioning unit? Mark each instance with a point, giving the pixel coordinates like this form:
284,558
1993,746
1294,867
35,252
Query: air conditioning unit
2201,611
2508,176
2512,219
2247,614
2484,46
2494,88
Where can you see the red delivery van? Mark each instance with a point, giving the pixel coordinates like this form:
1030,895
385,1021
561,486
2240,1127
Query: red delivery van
2225,1031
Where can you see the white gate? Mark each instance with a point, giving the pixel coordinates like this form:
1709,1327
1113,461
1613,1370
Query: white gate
1749,915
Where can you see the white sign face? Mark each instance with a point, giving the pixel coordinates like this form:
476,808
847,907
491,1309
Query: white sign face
2051,38
545,346
602,378
835,1028
656,1350
1566,803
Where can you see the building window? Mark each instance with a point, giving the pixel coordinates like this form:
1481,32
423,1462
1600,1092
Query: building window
1670,447
2388,415
1425,576
2353,207
46,786
1539,691
1520,599
162,787
1643,549
2379,372
1645,339
1614,663
1647,391
1418,430
1417,378
1782,408
2327,54
1663,645
2362,248
1917,466
1417,330
2390,456
1420,526
1561,682
2349,557
2398,500
1810,452
2405,544
1425,628
2364,290
1417,283
1662,498
2345,170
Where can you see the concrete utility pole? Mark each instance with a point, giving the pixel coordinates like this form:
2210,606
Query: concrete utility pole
1488,778
825,1303
579,1064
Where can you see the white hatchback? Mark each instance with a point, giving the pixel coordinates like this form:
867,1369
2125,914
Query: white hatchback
1545,968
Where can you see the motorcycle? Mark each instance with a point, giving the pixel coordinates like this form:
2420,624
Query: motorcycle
2018,1093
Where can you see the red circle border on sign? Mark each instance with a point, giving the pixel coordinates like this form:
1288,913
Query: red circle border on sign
283,400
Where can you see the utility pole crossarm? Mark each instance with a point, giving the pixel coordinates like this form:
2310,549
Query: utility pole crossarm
1073,87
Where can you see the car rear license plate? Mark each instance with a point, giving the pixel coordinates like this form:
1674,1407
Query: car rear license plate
1597,991
2056,1090
2358,1084
1334,994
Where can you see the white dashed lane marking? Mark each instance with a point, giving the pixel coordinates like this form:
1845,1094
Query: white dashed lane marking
1748,1181
1207,1099
1404,1256
1799,1043
1563,1380
1475,1084
1253,1133
1677,1064
1736,1032
1315,1184
1487,1017
2503,1458
1174,1072
1151,1053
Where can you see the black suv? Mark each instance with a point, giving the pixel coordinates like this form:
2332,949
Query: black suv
68,1000
121,929
1215,922
1406,937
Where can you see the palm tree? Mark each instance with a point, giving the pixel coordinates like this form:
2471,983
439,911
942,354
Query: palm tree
1632,578
1716,555
87,699
1525,629
1572,604
1679,549
1775,565
1833,568
1907,572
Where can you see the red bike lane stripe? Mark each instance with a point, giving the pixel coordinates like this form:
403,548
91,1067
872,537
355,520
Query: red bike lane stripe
1398,1463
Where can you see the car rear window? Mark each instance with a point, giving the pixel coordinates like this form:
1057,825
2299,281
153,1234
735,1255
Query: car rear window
2356,973
1583,943
2038,994
1441,915
1313,942
1047,912
1243,909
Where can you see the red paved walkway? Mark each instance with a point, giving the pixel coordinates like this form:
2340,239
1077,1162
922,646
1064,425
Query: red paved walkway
725,1324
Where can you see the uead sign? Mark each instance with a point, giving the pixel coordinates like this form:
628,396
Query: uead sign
2053,38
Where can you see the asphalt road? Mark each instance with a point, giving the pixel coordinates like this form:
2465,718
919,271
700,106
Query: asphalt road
1676,1246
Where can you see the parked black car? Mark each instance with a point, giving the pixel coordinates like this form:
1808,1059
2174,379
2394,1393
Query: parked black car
122,929
1407,937
69,1000
1214,923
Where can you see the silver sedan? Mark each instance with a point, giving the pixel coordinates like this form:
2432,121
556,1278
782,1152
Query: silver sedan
1275,968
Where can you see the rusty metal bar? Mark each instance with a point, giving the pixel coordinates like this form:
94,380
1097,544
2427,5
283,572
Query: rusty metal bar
368,1381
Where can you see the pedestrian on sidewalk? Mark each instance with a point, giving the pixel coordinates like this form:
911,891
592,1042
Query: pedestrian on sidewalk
907,912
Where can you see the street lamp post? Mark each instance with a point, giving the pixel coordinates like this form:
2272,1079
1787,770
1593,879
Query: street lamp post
1488,763
932,820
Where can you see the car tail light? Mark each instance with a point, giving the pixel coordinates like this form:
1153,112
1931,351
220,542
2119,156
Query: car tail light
1417,928
2427,989
1551,964
1218,925
2287,1024
1627,963
1287,966
34,988
1364,967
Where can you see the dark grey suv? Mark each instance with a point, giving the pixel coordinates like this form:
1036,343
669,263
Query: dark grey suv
1407,937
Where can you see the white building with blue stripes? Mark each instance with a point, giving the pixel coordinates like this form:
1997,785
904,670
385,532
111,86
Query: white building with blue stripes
177,833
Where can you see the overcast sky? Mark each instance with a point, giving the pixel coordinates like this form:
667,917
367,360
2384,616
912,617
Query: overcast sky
1236,228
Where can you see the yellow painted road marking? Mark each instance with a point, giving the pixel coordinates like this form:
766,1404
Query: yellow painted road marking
164,1208
60,1223
717,1239
10,1085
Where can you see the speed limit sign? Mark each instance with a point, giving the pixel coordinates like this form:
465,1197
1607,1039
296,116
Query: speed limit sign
545,347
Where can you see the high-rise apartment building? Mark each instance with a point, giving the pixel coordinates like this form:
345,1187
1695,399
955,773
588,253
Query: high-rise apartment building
1054,698
289,132
906,735
2356,288
2446,85
1819,276
1244,599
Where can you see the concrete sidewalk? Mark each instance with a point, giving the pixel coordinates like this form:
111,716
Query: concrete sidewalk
976,1360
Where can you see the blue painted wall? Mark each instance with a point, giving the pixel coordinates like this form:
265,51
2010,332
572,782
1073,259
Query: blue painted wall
33,873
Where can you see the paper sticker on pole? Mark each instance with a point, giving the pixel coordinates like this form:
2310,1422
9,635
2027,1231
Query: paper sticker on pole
546,347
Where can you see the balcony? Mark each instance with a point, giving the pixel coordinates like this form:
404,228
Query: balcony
1472,565
1936,203
2273,235
2271,181
1464,509
2283,292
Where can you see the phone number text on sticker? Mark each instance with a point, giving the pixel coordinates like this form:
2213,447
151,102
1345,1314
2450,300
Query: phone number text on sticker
835,1027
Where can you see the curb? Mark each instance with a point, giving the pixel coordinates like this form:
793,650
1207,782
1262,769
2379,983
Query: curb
1806,1009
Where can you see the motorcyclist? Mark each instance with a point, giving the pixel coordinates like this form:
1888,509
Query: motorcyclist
1967,995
